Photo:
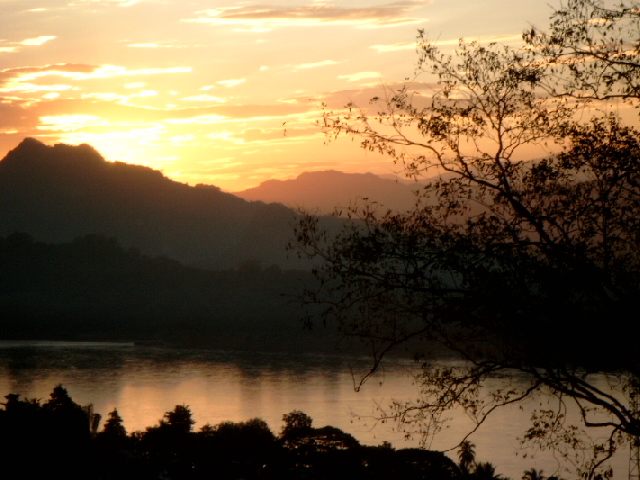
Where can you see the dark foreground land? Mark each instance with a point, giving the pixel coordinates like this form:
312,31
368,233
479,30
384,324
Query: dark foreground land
61,439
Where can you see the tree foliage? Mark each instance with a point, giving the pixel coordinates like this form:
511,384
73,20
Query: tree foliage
41,442
513,262
594,49
114,427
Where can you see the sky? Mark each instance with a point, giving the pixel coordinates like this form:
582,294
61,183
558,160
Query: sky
218,91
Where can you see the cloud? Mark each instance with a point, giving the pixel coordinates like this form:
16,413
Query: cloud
80,72
356,77
207,119
157,45
70,123
393,47
504,38
90,83
37,41
28,87
232,82
449,42
145,45
12,47
119,3
204,98
362,95
268,17
320,64
134,85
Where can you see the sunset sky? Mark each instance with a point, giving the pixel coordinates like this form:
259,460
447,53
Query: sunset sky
201,89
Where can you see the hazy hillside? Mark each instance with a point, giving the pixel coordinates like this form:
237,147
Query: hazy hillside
324,191
58,193
93,289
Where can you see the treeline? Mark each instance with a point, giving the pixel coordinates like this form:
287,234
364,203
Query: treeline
94,289
61,439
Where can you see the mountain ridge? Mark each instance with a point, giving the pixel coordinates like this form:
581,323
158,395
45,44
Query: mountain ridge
57,193
330,189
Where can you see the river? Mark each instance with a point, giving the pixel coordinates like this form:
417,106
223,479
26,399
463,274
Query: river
144,382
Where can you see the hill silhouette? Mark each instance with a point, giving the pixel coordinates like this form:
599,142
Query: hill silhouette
327,190
93,289
57,193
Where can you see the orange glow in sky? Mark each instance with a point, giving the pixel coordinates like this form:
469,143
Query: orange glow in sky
204,89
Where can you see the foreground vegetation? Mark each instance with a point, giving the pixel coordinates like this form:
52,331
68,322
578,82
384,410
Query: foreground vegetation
61,439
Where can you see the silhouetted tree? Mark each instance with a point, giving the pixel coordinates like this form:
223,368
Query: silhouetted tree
533,474
68,420
592,45
296,423
169,447
503,254
179,419
466,456
229,450
239,450
114,427
485,471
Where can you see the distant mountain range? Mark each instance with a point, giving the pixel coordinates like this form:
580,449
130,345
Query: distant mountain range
57,193
327,190
91,249
93,289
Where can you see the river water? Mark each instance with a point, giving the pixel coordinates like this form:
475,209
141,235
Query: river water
144,382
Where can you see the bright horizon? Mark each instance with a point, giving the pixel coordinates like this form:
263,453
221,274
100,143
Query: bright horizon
220,92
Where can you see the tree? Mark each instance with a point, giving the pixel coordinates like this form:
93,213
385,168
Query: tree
466,456
178,420
296,423
114,427
533,474
486,471
513,263
593,46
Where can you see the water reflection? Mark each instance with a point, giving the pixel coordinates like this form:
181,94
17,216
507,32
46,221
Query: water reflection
145,382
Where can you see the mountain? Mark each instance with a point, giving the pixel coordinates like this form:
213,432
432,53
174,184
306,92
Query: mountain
57,193
327,190
93,289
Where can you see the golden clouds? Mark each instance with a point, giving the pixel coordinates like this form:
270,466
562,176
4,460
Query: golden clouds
393,47
157,45
69,123
232,82
13,47
67,77
204,99
264,18
119,3
358,76
506,38
311,65
37,41
176,85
